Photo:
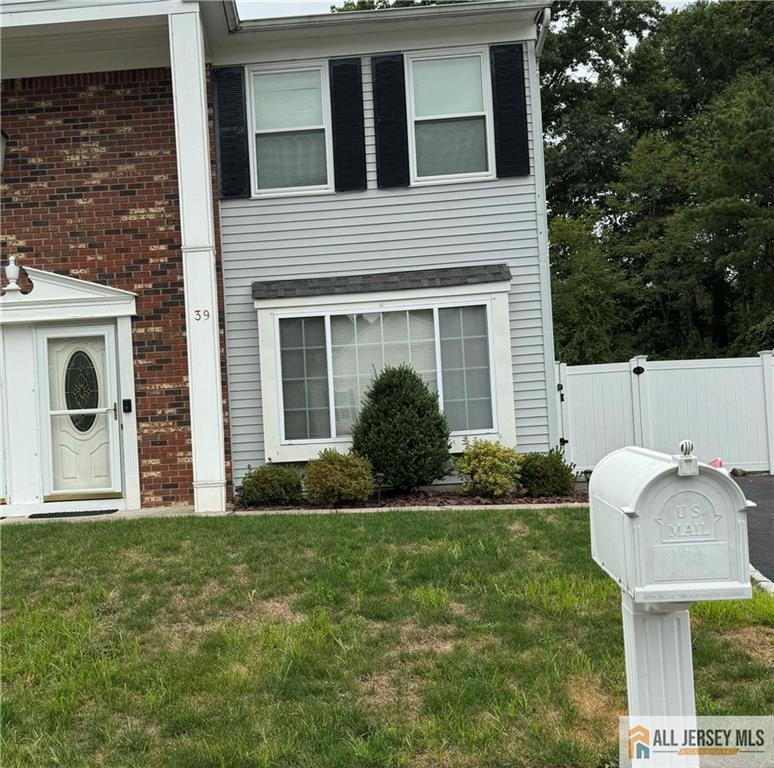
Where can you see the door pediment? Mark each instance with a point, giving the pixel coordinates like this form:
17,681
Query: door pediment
60,298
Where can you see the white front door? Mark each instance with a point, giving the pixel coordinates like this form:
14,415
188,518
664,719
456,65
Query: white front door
79,404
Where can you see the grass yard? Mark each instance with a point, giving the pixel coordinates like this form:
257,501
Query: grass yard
454,638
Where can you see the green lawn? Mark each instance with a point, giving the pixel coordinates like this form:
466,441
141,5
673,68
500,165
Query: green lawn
454,638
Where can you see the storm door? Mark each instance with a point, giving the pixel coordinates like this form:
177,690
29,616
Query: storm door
80,429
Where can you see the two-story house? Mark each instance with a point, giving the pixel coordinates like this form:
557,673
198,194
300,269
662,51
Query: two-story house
380,199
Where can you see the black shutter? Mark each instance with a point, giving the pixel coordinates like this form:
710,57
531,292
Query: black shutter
510,110
390,118
349,161
231,131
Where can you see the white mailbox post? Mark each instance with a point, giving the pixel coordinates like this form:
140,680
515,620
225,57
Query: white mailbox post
670,531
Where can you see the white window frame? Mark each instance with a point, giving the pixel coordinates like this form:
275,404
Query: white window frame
486,85
306,66
492,295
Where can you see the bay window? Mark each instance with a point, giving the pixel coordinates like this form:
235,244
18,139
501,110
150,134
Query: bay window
328,362
449,105
291,134
320,348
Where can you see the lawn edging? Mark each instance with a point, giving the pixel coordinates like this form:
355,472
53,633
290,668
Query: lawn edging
760,581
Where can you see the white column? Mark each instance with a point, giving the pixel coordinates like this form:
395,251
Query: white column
198,243
659,665
767,361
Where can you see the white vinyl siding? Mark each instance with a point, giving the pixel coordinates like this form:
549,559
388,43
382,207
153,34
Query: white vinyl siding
384,230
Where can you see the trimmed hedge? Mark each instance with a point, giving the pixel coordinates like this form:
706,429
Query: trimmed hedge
271,484
334,479
547,474
402,431
492,469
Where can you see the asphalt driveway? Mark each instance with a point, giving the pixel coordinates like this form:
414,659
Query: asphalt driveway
760,521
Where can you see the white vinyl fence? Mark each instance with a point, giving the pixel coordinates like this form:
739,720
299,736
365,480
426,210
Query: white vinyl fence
725,406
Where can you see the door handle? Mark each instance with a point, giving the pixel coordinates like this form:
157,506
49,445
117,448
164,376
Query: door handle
115,411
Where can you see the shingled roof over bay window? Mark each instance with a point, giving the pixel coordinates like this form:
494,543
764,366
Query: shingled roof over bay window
415,279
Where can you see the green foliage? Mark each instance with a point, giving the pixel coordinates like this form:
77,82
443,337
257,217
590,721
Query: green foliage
658,162
381,5
334,479
584,59
492,468
547,474
402,430
271,484
587,293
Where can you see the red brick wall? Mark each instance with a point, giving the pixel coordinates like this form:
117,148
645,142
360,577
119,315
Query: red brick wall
90,190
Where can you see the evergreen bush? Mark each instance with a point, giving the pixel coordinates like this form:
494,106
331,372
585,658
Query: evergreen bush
492,469
547,474
402,431
333,479
271,484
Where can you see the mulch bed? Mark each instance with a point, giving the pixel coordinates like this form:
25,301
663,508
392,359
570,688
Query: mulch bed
441,499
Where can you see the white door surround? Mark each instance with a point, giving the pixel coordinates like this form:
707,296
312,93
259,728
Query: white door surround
59,317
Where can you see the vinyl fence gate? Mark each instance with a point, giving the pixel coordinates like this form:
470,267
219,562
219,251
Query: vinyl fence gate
725,406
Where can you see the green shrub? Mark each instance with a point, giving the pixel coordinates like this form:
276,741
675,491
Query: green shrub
334,479
492,469
547,474
402,431
271,484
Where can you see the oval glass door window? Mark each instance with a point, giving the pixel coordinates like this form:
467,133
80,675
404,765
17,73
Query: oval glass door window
81,390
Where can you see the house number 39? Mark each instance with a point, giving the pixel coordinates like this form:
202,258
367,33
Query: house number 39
201,314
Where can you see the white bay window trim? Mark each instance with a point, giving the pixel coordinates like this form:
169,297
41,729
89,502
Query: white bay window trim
278,69
494,296
487,113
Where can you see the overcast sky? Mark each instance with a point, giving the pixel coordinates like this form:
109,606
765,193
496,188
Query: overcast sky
255,9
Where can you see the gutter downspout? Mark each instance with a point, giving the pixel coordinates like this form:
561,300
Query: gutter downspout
231,14
541,41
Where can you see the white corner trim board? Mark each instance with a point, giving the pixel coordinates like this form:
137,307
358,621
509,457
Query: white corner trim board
198,245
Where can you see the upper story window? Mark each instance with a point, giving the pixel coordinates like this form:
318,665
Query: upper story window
450,116
425,117
291,130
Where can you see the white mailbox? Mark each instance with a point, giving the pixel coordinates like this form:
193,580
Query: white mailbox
669,529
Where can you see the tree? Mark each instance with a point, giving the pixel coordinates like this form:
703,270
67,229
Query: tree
379,5
693,226
590,323
584,59
400,429
682,187
690,57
